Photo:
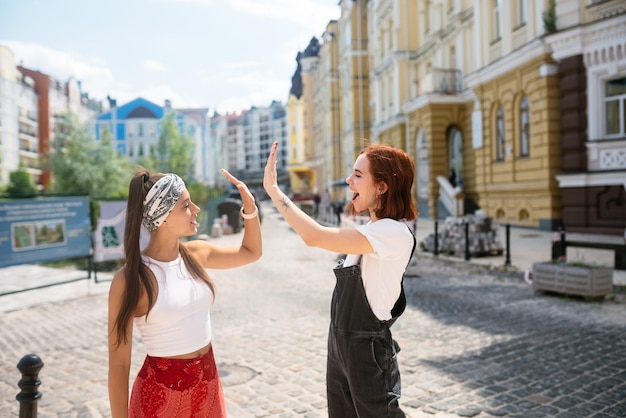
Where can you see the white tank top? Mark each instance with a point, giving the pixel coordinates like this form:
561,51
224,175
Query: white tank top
180,320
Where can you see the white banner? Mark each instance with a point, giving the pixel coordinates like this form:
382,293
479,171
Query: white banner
108,237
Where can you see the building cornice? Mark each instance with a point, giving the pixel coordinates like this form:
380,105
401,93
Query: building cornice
613,178
510,62
585,38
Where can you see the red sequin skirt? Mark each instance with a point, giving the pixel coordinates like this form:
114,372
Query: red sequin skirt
168,388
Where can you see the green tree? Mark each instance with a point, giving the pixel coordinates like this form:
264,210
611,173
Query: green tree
21,184
173,153
80,164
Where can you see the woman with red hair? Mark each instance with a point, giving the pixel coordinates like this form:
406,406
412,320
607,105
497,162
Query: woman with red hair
363,379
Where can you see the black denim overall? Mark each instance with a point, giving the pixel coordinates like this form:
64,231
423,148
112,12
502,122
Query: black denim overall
362,376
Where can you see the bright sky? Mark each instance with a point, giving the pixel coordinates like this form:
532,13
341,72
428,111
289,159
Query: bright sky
226,55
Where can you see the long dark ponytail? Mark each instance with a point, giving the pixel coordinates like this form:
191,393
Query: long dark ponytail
139,278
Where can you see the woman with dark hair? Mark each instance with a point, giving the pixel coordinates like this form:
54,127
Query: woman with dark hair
166,293
363,379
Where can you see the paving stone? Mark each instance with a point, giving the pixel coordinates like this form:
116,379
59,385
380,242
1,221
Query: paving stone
474,343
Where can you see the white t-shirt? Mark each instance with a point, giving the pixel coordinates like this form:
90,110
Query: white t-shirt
382,269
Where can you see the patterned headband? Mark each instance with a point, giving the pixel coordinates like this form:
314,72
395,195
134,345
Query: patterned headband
161,199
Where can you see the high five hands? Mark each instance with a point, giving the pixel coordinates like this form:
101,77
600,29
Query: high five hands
246,196
270,178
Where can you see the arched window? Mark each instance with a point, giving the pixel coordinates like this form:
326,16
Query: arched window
524,127
500,134
523,215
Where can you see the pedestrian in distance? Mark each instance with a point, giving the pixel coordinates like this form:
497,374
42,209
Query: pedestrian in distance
362,377
325,205
317,199
452,177
166,293
338,210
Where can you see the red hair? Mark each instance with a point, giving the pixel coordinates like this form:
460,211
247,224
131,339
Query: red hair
396,169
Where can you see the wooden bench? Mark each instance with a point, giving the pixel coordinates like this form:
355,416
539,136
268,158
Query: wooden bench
559,249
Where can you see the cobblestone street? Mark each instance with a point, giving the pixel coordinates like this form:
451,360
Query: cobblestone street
474,343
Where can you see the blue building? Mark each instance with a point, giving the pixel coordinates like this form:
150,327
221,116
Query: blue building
136,126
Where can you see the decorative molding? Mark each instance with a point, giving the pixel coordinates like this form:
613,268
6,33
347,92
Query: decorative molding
613,178
546,70
587,39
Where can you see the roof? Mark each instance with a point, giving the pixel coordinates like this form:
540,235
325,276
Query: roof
138,108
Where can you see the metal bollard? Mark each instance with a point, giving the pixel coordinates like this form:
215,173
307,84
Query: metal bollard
29,365
563,248
467,240
436,249
507,229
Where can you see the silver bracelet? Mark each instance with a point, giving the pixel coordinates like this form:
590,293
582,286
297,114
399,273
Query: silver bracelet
251,215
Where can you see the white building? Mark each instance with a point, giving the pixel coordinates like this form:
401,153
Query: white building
261,126
18,119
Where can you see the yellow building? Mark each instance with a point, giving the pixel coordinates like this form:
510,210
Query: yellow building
295,123
475,91
328,104
353,68
305,161
470,87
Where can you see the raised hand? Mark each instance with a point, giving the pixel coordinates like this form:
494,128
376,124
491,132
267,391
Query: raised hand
246,197
270,178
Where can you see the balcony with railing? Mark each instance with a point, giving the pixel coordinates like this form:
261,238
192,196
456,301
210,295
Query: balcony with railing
31,163
29,147
27,131
606,155
441,81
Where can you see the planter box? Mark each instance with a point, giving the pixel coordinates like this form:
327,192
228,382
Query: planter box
573,280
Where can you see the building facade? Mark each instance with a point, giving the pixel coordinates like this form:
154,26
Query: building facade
354,72
514,108
262,126
19,127
329,105
30,103
590,48
135,127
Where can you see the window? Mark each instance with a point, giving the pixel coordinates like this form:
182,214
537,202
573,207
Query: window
500,134
523,215
453,57
521,12
615,106
524,122
497,8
